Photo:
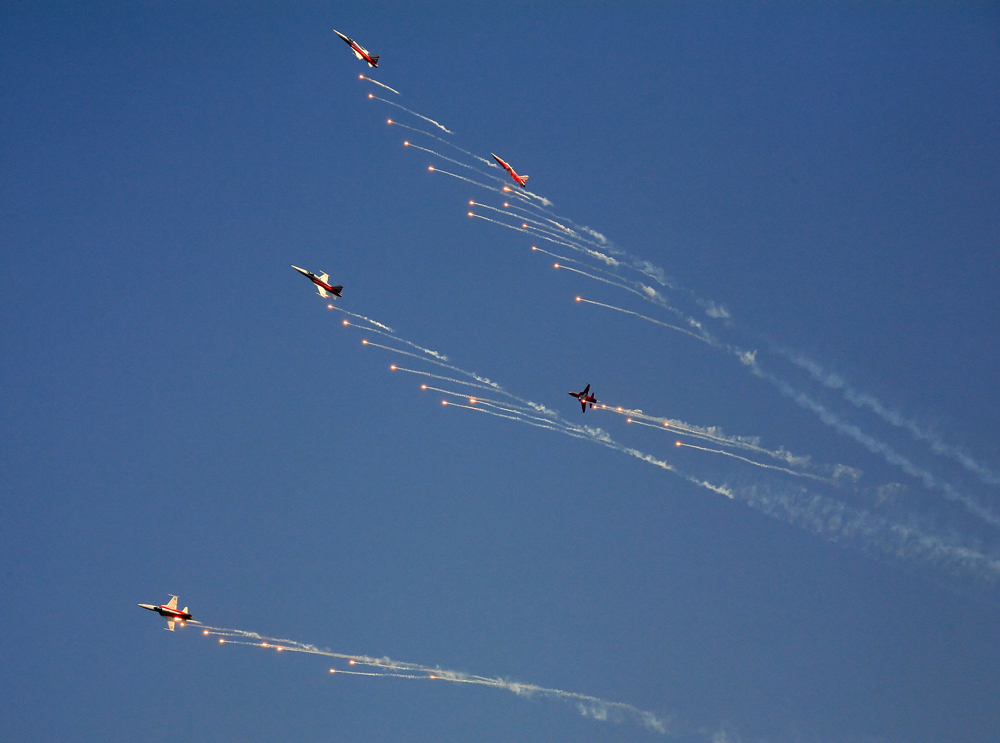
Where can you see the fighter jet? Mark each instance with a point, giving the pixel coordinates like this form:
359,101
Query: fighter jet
170,612
521,180
320,281
584,398
359,51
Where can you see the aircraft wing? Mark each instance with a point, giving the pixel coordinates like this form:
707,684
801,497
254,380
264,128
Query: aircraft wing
321,291
170,625
172,604
325,278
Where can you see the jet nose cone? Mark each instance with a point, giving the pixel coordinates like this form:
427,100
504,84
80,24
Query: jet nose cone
148,606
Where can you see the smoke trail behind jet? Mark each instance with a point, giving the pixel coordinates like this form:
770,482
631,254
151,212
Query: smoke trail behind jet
374,97
588,705
381,85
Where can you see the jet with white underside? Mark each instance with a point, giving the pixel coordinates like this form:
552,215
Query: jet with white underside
170,612
323,288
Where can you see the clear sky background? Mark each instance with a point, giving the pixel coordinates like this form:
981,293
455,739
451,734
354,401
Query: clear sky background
182,414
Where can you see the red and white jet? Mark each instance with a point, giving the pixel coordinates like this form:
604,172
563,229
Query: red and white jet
359,51
170,612
521,180
584,398
320,281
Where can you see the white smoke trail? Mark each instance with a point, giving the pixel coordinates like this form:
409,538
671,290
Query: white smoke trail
463,178
412,113
441,377
443,157
526,413
595,707
381,85
893,417
566,259
680,428
450,144
757,464
881,448
491,385
395,337
376,323
636,314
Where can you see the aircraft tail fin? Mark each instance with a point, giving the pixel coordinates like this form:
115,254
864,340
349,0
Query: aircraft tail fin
374,62
337,290
524,178
185,610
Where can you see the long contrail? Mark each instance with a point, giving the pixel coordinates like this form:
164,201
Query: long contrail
443,157
636,314
473,155
376,323
412,113
893,417
787,470
381,85
588,705
463,178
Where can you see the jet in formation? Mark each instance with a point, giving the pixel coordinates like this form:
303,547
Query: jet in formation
359,51
585,398
521,180
322,287
170,612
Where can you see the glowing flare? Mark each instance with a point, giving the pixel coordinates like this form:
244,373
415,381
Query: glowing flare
431,167
206,632
578,299
472,203
393,367
351,661
221,641
471,214
333,670
389,121
406,144
370,95
679,444
444,402
364,343
423,386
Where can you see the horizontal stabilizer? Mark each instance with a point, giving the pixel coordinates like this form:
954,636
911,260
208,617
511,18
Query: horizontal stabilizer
374,62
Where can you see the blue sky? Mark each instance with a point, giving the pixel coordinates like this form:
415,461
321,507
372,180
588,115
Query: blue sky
180,414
